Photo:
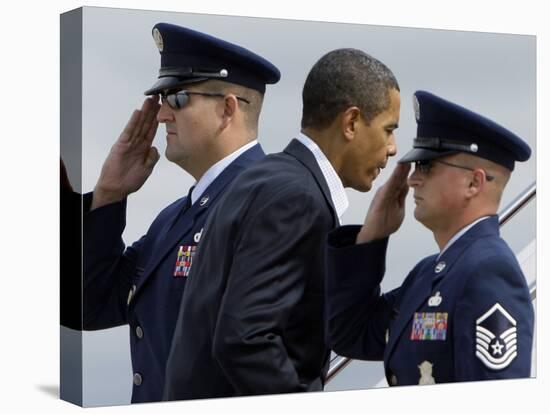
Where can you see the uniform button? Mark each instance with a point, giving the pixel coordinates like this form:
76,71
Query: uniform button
393,380
137,379
139,332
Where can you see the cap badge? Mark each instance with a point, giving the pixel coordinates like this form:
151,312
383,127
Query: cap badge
474,147
158,39
416,107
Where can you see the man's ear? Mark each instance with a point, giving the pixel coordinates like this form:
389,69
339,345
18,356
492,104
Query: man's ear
349,119
477,183
230,105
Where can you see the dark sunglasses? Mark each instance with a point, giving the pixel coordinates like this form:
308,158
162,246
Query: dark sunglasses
425,166
179,99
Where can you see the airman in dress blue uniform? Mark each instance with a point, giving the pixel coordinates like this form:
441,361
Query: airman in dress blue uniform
463,314
212,93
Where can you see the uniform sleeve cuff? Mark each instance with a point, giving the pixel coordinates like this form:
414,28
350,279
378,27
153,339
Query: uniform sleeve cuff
350,260
343,236
108,220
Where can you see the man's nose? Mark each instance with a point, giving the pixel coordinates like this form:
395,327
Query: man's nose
165,113
392,146
415,179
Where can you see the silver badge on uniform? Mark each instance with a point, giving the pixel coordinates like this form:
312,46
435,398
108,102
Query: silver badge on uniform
131,293
435,300
439,267
197,236
204,200
426,373
158,39
496,338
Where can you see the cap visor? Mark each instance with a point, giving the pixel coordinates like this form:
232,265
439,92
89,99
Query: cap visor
421,154
169,82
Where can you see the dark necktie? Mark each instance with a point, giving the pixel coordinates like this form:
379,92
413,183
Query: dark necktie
187,204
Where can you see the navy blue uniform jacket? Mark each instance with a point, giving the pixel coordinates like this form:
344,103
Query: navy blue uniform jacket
251,319
142,285
467,316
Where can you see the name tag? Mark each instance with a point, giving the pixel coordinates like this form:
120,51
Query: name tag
429,326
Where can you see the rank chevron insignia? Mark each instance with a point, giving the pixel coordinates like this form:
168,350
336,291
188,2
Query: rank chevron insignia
496,338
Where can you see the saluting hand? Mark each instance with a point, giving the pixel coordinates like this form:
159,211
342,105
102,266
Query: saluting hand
387,209
132,157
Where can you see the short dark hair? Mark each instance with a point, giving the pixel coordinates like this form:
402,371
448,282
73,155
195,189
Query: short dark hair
343,78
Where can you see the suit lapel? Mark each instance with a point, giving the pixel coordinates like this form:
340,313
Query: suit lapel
174,231
304,156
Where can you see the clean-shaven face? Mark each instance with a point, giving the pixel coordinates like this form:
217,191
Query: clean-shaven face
373,145
439,195
191,129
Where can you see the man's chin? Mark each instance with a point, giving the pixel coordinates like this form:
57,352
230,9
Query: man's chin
361,187
168,156
366,185
421,218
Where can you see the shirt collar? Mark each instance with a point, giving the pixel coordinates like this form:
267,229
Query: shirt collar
459,234
337,191
216,169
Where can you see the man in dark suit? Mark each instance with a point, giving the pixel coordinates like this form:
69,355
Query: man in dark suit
463,314
212,93
251,319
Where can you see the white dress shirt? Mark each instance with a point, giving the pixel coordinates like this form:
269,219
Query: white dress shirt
337,192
